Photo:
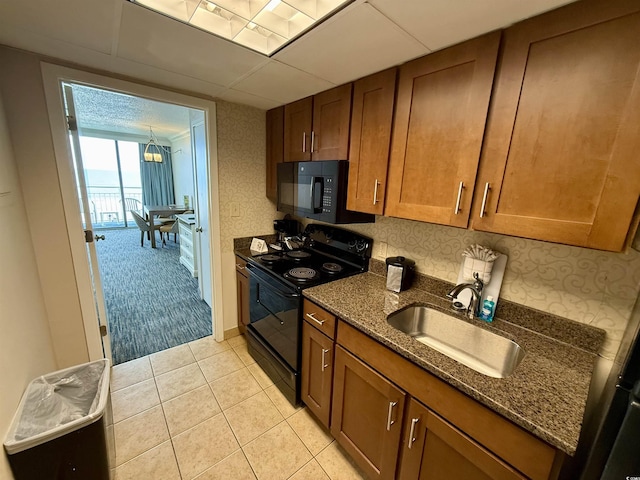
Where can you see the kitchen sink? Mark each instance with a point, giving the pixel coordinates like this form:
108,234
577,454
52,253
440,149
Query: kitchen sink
477,348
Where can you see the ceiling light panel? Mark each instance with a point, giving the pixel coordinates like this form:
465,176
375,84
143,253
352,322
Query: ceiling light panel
261,25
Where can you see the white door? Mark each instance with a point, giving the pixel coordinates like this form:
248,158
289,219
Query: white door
199,139
91,238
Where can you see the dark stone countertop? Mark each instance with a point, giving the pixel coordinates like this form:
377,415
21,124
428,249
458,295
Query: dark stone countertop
546,394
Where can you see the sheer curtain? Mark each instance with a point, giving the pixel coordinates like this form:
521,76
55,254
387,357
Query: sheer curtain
157,179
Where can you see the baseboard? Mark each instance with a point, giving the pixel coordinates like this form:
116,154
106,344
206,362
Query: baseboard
232,332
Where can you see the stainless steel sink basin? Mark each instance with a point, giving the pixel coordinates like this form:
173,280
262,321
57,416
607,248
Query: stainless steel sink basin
471,345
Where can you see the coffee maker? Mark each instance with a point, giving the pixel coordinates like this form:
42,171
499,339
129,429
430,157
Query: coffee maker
286,228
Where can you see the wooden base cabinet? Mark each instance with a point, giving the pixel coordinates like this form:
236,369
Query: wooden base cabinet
433,449
367,415
317,372
242,292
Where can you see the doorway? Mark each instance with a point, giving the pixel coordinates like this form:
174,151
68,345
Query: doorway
54,77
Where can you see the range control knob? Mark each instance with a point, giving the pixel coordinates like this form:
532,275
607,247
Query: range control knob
361,246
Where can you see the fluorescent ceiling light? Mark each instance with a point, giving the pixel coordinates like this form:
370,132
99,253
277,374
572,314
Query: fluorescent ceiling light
262,25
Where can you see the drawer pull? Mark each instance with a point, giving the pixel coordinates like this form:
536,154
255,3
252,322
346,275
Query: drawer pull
324,363
389,415
240,267
412,432
312,317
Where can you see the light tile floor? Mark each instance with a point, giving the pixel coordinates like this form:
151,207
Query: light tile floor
205,410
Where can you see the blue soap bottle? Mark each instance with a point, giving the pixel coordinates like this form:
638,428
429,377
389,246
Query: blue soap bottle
488,307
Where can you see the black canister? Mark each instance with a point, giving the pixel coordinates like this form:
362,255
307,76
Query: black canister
400,277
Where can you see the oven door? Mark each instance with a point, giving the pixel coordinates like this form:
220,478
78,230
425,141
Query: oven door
273,334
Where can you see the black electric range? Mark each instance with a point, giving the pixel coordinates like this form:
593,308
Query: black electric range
276,281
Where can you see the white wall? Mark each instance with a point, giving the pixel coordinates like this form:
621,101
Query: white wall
25,343
182,164
22,88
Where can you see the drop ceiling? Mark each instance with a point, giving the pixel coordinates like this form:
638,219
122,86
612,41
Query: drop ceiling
365,37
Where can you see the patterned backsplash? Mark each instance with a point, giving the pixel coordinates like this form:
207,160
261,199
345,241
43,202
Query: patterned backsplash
590,286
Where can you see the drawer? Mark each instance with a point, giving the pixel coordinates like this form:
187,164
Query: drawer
319,318
241,266
185,231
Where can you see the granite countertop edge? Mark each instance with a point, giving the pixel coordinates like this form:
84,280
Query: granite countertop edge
546,394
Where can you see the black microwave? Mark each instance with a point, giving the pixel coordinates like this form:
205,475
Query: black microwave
317,190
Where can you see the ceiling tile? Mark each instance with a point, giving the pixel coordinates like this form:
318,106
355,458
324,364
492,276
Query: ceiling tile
281,83
441,23
81,22
151,38
355,43
243,98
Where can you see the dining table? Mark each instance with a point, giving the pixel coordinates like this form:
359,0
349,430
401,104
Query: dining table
153,211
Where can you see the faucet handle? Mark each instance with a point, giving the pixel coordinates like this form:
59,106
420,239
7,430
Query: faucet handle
478,284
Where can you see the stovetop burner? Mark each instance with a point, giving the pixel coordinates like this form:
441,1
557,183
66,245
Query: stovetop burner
269,258
331,267
298,254
302,273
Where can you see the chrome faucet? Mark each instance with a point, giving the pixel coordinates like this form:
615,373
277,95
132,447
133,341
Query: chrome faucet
475,305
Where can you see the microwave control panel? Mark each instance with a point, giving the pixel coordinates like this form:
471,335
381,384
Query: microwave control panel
327,197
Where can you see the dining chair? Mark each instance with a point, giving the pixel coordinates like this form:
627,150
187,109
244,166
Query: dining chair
169,229
143,225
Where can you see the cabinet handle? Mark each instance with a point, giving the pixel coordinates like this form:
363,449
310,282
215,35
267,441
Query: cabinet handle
304,142
375,191
240,267
487,187
412,436
312,317
389,421
313,137
324,363
457,210
199,229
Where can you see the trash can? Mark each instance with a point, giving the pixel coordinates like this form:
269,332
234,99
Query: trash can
58,431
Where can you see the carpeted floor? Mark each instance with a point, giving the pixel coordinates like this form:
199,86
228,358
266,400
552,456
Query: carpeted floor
152,300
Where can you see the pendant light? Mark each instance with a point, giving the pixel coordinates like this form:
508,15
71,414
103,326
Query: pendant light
152,151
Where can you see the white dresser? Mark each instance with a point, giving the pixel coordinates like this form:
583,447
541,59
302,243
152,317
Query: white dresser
188,249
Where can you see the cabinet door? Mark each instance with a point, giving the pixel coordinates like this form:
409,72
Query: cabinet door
331,117
371,122
366,416
433,449
275,149
297,130
437,135
560,160
317,372
242,292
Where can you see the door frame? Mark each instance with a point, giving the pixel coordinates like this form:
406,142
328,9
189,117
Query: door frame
53,76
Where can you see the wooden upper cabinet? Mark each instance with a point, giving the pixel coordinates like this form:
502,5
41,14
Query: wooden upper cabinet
560,159
439,124
317,128
297,130
371,120
331,118
275,149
